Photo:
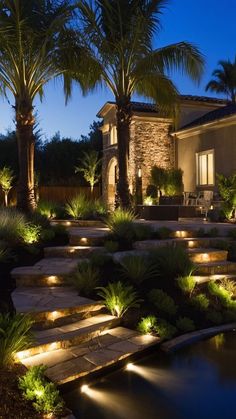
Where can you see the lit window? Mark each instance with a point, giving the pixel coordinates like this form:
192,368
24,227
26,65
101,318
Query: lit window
205,168
113,135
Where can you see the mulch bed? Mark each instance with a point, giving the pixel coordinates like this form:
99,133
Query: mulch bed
12,404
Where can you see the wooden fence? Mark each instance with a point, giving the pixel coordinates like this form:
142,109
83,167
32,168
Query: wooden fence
59,194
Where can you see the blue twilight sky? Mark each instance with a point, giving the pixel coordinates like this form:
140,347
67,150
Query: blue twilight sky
210,24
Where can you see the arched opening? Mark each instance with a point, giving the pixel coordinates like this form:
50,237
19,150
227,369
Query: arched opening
112,181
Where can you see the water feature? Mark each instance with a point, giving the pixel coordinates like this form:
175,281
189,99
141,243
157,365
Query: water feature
197,382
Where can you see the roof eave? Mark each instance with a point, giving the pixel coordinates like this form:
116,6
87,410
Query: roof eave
197,128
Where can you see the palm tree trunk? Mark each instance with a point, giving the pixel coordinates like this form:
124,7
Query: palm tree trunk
25,140
123,117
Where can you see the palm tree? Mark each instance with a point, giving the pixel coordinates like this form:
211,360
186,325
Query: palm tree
90,168
119,34
37,43
224,79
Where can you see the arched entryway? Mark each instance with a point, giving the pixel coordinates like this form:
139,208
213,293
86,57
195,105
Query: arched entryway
111,181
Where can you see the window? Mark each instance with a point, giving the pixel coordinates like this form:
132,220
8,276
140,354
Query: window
205,168
113,135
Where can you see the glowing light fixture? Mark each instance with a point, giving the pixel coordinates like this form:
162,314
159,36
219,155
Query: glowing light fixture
84,240
84,388
130,366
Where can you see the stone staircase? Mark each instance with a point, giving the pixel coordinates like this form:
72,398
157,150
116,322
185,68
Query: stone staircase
74,336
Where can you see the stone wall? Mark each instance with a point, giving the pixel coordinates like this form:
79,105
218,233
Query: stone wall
151,144
108,154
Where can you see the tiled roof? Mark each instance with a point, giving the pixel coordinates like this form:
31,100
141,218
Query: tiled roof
219,113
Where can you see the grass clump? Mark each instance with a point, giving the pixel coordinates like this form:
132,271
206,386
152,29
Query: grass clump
137,269
147,324
172,261
111,246
79,207
85,278
142,232
48,209
44,395
163,301
118,298
185,324
186,284
220,293
12,223
15,336
121,224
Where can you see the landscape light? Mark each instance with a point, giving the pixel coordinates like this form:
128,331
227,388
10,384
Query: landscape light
84,388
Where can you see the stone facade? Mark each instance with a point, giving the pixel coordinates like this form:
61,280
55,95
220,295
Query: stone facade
151,142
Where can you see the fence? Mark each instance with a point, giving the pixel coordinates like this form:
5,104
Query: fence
57,193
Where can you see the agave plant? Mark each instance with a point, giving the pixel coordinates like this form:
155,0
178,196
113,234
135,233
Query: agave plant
15,336
137,268
118,298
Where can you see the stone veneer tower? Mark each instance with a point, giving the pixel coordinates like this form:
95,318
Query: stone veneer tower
151,142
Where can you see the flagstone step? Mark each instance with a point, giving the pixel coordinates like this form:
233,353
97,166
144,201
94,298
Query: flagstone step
207,255
215,268
71,251
78,223
68,364
46,272
200,279
70,334
87,236
51,304
188,243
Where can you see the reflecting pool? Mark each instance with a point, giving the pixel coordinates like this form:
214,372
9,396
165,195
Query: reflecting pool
197,382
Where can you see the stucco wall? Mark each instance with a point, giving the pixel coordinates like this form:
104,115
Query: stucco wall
221,139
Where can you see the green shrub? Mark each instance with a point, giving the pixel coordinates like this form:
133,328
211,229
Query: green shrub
100,259
30,233
111,246
147,324
219,292
214,316
142,231
47,209
121,224
186,284
44,395
162,301
172,261
85,278
137,268
148,200
174,182
165,330
118,298
15,336
201,302
99,208
185,324
163,233
227,210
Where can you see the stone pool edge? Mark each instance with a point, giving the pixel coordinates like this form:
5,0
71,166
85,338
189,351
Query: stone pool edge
189,338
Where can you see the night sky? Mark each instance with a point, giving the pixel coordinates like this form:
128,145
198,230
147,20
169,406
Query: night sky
210,24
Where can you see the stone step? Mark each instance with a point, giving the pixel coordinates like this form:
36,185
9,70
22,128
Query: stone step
71,251
215,268
70,334
201,279
191,243
207,255
79,223
46,272
87,237
183,234
68,364
52,304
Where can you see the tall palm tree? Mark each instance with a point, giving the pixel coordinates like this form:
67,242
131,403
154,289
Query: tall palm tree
37,43
224,79
119,34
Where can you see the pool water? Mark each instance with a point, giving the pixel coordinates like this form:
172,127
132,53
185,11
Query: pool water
197,382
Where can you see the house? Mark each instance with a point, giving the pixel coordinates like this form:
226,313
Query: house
203,143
